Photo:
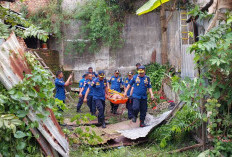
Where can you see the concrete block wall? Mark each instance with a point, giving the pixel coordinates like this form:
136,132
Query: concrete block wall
142,35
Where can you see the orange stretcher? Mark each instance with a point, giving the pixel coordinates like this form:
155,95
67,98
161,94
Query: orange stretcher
116,101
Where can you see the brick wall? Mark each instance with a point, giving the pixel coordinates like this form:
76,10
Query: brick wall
33,5
50,57
22,43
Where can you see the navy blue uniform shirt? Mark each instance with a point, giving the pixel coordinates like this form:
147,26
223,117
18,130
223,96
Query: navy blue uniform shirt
98,88
89,86
141,84
60,89
126,82
115,83
81,83
95,75
85,86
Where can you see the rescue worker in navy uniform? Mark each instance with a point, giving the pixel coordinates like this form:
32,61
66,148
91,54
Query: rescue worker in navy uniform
60,85
90,70
129,95
99,89
116,83
141,83
86,85
137,65
82,91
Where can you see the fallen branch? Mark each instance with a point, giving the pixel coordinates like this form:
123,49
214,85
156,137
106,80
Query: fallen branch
185,148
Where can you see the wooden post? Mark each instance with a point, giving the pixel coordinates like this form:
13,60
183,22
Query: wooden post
204,126
164,45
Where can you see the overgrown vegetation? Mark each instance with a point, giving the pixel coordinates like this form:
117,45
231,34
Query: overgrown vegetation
36,91
101,25
213,88
50,18
196,12
178,129
156,72
23,28
143,150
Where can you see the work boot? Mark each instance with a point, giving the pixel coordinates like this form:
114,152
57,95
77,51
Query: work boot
103,124
99,122
134,119
142,124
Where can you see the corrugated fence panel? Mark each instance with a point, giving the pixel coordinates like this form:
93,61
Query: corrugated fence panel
12,68
188,66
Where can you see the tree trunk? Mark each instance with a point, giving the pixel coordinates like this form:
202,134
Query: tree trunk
164,44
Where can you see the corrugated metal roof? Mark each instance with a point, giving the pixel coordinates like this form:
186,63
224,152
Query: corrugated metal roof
12,68
150,121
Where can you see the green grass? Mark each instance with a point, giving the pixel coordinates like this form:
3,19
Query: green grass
143,150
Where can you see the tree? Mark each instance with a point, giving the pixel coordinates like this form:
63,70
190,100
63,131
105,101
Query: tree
150,6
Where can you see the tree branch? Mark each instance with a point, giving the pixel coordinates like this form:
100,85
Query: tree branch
214,20
171,14
185,148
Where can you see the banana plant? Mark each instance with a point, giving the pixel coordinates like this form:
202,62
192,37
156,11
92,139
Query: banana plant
150,6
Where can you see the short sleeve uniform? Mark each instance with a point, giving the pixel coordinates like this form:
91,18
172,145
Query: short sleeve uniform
60,89
126,83
81,83
140,84
116,83
98,89
85,86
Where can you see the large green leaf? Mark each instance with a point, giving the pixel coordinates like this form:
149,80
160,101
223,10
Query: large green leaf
149,6
19,134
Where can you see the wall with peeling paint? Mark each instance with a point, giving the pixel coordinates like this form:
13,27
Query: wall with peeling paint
142,36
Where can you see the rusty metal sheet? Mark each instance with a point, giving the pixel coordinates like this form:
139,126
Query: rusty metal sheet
12,67
150,121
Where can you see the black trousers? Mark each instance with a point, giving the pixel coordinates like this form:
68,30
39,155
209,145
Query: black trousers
139,105
100,104
114,107
129,105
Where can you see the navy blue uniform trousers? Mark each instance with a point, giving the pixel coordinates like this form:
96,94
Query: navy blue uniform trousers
100,104
114,107
129,104
91,104
139,105
80,102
